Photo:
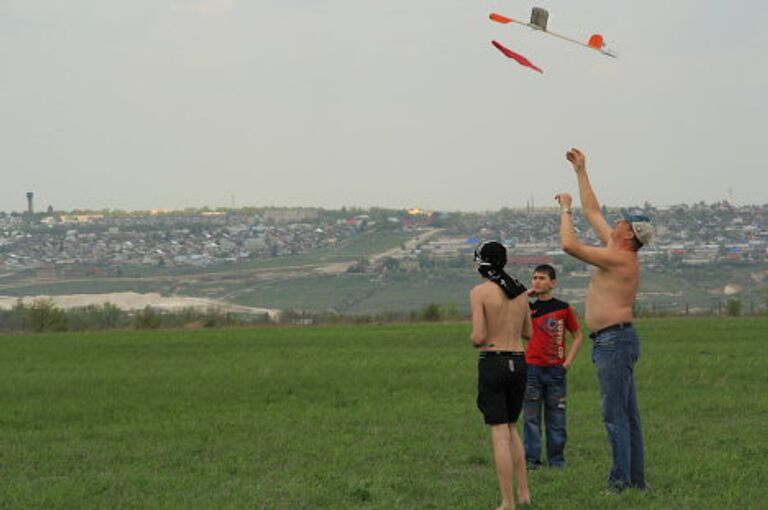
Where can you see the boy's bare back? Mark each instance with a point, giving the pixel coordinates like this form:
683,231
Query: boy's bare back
506,321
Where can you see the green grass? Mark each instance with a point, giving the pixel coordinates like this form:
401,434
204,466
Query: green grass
315,293
96,286
361,293
377,417
446,287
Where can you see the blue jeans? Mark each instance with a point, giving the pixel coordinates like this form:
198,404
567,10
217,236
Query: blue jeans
545,388
614,354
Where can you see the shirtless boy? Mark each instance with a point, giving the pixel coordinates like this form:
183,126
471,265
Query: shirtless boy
500,321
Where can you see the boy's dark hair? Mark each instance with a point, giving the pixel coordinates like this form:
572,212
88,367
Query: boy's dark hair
546,268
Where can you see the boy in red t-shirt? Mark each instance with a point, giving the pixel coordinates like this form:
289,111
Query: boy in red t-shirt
548,359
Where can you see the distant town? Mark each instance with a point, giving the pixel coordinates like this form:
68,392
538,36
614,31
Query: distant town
92,242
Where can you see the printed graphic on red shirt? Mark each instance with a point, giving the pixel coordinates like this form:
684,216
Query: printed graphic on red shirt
551,319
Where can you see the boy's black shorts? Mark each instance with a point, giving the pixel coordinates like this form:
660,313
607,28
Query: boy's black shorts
500,386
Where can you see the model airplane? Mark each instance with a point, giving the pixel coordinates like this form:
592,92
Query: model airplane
539,19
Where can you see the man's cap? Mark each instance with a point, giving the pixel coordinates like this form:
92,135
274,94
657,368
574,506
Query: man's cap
491,253
641,226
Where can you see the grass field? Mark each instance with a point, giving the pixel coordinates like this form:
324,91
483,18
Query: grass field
376,417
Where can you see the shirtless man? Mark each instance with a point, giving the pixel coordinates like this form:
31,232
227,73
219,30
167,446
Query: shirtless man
615,345
500,321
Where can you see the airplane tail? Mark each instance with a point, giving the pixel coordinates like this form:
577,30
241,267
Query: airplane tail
596,42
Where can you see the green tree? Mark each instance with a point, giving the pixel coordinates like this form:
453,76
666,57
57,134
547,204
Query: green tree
425,261
45,316
110,315
19,316
733,307
391,264
147,318
431,312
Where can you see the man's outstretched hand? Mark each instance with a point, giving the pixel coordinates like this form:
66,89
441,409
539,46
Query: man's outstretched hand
577,159
564,199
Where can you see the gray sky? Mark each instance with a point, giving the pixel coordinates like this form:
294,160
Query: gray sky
140,104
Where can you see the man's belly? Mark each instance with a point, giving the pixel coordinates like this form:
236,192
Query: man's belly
601,313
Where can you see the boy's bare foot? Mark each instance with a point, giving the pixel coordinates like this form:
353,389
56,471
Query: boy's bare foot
524,497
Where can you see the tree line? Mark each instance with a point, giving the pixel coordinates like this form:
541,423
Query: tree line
42,315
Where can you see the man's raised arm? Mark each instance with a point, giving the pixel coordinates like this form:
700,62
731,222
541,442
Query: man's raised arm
597,256
589,203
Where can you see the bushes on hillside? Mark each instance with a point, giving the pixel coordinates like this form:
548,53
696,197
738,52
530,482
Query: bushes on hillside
434,312
146,318
733,307
106,316
43,315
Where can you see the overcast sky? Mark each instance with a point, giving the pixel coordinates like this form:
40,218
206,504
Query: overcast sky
139,104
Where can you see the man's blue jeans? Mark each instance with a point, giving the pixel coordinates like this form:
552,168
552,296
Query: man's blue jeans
614,354
545,388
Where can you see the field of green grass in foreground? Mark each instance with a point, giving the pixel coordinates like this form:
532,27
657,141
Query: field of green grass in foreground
374,417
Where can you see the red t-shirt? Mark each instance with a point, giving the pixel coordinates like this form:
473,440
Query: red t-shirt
551,318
